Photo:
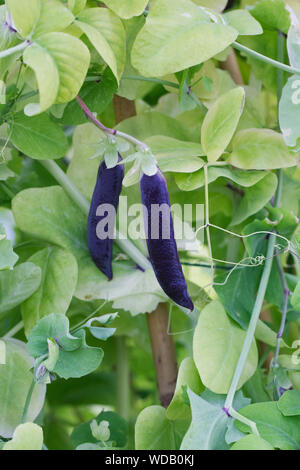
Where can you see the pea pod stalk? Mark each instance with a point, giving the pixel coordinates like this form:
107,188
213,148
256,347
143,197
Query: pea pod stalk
162,248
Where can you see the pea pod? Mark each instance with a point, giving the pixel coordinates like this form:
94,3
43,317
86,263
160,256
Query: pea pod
161,241
107,192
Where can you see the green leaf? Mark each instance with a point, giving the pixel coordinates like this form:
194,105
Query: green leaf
252,442
28,436
272,14
280,431
38,136
188,376
289,403
25,14
76,358
117,426
293,45
240,177
289,107
60,62
217,345
243,22
217,5
260,149
265,44
55,326
15,380
59,279
244,280
265,334
79,362
209,421
5,172
76,6
107,34
221,122
175,155
127,8
255,198
8,257
295,299
153,431
166,44
153,123
96,96
53,17
17,285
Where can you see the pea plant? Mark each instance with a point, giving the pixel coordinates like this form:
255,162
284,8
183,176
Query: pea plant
120,119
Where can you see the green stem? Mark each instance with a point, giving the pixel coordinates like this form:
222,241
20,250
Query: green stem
107,130
126,245
267,267
267,60
160,81
123,378
27,402
13,50
253,322
11,333
242,419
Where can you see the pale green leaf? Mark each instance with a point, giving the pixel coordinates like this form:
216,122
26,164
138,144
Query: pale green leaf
295,299
293,45
107,34
260,149
217,345
153,431
25,14
255,198
221,122
176,155
280,431
8,257
252,442
243,22
17,285
53,17
217,5
289,107
240,177
28,436
59,279
272,14
60,62
127,8
38,137
176,36
289,403
188,376
76,6
15,380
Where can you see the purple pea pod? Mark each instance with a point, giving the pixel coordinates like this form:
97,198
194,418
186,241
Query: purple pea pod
106,195
159,230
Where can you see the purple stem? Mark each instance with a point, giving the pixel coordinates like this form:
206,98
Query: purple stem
91,116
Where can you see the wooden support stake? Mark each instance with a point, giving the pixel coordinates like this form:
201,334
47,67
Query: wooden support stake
232,66
164,353
163,348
